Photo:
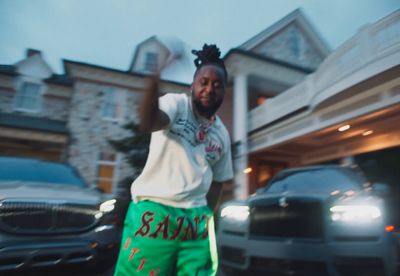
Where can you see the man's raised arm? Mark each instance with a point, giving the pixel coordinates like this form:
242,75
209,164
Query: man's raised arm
151,117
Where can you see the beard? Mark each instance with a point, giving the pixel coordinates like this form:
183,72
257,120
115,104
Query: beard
206,111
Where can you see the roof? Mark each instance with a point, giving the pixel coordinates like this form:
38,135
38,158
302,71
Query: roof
267,59
295,16
66,62
180,67
32,123
59,79
8,69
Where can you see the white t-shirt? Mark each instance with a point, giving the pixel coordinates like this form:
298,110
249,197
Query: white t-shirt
179,169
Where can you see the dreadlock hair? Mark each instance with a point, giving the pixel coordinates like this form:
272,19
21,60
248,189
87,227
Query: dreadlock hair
209,55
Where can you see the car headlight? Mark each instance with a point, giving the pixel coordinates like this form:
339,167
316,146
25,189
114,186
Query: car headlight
235,212
356,213
105,207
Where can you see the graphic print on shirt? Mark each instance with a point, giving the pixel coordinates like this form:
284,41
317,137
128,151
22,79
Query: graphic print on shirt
213,150
186,129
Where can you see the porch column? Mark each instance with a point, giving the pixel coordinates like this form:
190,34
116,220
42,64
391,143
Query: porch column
240,136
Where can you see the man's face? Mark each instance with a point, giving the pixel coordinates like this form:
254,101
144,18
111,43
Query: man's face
208,90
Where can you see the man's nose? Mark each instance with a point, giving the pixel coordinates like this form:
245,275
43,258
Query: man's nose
210,89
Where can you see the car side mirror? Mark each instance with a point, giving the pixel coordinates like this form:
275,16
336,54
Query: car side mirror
381,189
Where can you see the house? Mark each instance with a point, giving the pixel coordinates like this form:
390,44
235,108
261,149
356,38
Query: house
71,117
291,101
317,107
34,109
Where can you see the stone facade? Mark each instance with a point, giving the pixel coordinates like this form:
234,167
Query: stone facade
90,132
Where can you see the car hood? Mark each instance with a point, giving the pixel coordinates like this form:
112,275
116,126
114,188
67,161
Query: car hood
323,197
267,196
45,192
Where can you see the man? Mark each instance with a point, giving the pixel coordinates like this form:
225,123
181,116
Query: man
169,225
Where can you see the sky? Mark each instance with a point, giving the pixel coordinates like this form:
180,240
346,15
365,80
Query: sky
106,32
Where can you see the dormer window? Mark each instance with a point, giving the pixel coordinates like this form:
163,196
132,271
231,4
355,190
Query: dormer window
151,62
28,97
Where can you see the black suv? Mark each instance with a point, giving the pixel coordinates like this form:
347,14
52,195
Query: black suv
319,220
49,216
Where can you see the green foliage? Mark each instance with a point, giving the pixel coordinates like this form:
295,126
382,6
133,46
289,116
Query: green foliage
135,149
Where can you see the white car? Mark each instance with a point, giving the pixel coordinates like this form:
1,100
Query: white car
320,220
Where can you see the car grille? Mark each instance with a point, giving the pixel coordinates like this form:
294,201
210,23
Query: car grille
45,218
292,218
288,267
232,254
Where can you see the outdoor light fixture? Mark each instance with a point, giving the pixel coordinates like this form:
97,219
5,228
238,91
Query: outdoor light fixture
235,212
344,128
368,132
248,170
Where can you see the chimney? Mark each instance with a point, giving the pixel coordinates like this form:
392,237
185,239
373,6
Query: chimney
32,52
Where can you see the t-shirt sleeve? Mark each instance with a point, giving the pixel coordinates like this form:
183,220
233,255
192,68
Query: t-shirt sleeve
222,169
169,103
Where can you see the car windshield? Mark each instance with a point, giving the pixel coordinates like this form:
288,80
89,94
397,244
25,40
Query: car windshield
33,171
321,180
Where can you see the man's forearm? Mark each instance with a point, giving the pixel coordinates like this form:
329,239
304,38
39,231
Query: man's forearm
214,194
149,105
151,117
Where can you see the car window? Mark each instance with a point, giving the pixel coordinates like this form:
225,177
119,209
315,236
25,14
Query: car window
316,180
37,171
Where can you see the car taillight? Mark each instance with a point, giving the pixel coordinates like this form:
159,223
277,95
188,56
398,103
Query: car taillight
389,228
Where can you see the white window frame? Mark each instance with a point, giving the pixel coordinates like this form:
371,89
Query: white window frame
118,105
19,85
116,163
153,65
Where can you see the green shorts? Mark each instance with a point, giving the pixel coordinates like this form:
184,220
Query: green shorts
161,240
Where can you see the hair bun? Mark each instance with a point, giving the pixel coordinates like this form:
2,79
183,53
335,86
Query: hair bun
209,54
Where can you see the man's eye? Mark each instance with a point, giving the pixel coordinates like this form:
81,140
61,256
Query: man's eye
217,85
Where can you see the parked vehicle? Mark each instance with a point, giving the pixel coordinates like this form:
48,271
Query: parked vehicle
49,216
320,220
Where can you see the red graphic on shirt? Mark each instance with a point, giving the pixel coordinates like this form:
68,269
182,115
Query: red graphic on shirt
127,243
177,231
186,228
213,146
154,274
133,252
145,228
162,227
141,265
190,231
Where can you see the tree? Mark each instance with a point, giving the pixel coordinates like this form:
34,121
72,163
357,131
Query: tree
135,148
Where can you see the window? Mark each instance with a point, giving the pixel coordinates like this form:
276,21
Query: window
151,62
112,104
294,42
28,97
106,167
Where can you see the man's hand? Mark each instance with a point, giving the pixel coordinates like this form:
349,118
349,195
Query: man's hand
151,117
